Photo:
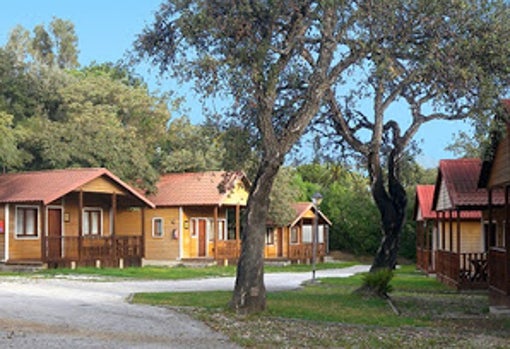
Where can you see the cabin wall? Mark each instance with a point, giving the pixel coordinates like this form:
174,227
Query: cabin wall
238,195
471,234
2,232
498,217
165,247
190,239
72,211
23,248
500,172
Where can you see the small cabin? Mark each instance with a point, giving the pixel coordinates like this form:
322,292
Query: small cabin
460,248
294,242
69,218
197,217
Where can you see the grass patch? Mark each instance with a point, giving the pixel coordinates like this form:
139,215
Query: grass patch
180,272
147,273
328,314
330,300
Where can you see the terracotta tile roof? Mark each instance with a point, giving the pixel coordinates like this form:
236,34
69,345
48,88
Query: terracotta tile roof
302,207
424,197
460,177
192,189
47,186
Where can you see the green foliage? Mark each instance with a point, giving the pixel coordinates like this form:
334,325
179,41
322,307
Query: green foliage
283,194
10,154
347,203
378,282
190,148
52,47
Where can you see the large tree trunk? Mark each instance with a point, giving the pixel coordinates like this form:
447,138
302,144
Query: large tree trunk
250,292
392,205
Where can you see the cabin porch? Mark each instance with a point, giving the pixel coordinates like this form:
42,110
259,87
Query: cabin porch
464,271
114,251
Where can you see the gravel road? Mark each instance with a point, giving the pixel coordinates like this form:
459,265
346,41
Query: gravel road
82,313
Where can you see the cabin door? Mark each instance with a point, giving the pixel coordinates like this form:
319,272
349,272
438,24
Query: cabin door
54,233
279,242
202,236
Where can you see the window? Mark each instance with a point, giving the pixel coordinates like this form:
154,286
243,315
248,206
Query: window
157,227
269,236
231,224
92,221
222,232
27,221
320,238
294,235
307,234
194,227
489,235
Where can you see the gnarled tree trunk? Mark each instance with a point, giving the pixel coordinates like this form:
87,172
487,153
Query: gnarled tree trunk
250,292
392,203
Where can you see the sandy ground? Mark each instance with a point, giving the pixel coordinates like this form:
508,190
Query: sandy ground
82,313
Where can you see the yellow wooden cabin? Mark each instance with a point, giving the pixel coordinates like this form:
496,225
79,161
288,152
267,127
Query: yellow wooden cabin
69,218
197,218
294,242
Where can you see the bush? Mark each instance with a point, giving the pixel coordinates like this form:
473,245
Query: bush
377,283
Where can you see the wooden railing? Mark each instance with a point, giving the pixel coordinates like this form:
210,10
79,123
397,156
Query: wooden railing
227,249
464,270
499,267
87,250
303,252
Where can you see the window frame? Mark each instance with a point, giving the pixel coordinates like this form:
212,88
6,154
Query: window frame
292,241
162,222
37,225
269,236
86,214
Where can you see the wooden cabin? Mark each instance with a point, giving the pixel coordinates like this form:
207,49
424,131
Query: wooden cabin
426,228
495,176
294,242
196,218
461,252
69,218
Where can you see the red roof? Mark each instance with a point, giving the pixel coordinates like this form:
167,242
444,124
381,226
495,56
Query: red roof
47,186
424,196
193,189
460,178
301,208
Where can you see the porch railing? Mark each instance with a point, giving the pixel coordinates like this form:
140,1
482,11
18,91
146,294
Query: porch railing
87,250
464,270
228,249
303,252
499,266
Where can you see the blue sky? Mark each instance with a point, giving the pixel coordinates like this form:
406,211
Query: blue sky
107,29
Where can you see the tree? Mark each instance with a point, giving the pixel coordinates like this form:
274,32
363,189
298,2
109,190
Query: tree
284,193
275,60
19,92
190,148
441,60
101,122
10,155
53,47
65,42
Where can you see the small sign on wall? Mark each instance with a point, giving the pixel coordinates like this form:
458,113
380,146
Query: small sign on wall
2,228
